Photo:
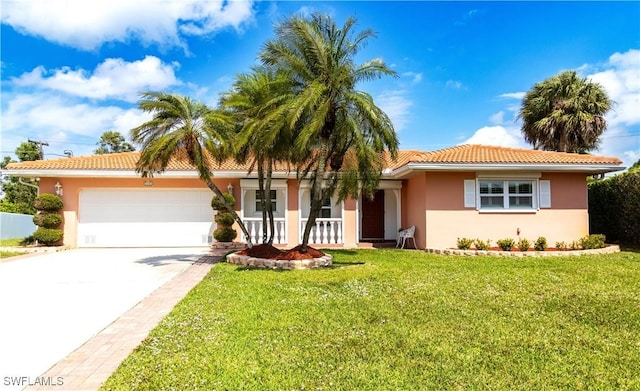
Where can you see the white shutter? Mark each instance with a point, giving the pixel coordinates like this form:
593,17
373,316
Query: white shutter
469,193
545,193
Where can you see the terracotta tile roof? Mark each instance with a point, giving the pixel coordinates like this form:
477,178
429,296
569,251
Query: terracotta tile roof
125,161
462,154
485,154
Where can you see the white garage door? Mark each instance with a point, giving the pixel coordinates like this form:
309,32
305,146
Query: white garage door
145,218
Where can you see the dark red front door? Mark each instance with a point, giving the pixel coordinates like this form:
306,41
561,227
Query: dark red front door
373,216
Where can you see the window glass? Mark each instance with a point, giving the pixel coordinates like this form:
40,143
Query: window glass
325,212
518,194
521,202
492,202
272,195
487,187
520,187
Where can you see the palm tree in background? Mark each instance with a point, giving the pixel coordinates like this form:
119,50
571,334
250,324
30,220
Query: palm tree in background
258,103
340,132
182,128
565,113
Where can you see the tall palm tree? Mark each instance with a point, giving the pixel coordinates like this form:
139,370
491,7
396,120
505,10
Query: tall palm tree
340,132
257,103
565,113
182,128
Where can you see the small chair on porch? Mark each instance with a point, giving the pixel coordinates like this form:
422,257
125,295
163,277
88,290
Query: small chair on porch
406,234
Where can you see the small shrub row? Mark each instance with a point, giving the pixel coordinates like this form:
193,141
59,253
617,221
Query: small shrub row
588,242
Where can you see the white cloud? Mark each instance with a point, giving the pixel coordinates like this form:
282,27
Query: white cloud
415,77
397,106
87,25
455,84
498,135
112,79
620,77
497,118
59,120
513,95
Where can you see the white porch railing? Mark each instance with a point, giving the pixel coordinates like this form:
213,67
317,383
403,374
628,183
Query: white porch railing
254,226
324,231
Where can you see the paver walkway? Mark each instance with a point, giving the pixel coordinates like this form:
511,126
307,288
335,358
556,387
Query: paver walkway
92,363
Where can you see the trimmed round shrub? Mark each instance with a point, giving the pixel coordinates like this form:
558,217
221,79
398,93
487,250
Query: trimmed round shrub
540,244
47,220
464,243
225,234
48,203
219,204
483,245
48,236
523,244
224,219
506,244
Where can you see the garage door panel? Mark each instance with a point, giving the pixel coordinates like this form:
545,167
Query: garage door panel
145,217
146,235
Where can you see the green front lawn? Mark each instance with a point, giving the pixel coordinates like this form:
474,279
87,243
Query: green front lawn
11,242
393,319
7,254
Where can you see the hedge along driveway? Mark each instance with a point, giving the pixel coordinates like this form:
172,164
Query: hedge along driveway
52,303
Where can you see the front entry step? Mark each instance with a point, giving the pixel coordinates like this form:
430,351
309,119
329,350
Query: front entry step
376,243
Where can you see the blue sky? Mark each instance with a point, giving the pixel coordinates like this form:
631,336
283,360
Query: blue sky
72,70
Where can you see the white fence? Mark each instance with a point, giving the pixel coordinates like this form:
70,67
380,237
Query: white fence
324,231
254,226
16,226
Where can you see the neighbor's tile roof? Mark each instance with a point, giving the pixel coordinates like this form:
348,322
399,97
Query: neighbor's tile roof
462,154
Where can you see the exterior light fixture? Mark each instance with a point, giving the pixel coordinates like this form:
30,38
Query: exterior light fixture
58,188
230,188
148,182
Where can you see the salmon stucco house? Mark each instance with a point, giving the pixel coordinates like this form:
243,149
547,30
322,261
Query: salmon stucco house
469,191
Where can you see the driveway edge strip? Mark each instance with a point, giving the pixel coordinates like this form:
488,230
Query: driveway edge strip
91,364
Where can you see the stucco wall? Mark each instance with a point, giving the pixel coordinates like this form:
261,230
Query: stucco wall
350,221
444,227
568,191
414,193
447,219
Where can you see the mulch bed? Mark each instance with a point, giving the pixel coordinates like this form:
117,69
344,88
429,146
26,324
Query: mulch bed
267,251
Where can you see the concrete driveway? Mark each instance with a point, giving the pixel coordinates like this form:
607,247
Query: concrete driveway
50,304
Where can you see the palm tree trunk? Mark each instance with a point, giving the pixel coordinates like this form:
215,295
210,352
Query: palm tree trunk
316,199
231,210
267,186
263,198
